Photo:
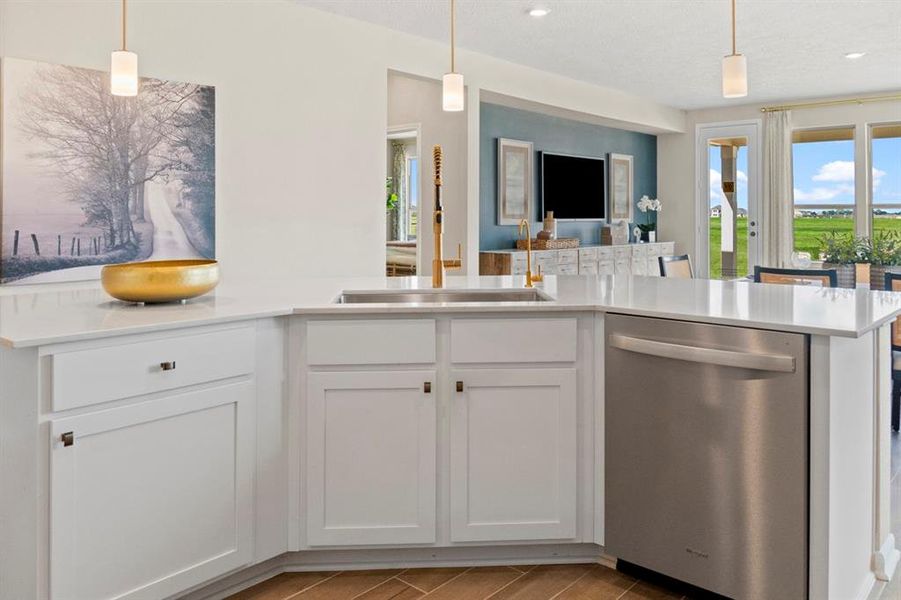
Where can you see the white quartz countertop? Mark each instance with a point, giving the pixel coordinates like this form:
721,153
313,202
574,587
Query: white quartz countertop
39,316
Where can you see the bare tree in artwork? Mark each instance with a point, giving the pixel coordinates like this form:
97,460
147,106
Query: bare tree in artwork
103,151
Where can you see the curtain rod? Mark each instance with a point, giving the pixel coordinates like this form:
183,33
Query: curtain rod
830,103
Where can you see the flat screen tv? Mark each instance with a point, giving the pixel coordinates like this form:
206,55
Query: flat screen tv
573,187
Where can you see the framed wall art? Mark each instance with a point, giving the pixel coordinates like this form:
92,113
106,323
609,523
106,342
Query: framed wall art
514,181
620,187
91,179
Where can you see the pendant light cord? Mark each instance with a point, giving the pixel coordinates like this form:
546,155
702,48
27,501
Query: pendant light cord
124,13
733,27
453,28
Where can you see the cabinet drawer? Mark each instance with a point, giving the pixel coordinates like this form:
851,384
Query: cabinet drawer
588,267
622,267
639,251
513,340
567,257
605,267
588,254
639,266
668,248
569,269
654,249
353,342
606,254
95,375
624,253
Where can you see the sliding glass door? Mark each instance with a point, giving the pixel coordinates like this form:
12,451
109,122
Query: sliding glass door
728,208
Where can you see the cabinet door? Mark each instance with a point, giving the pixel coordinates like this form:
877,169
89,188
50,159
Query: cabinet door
513,455
639,266
371,472
150,499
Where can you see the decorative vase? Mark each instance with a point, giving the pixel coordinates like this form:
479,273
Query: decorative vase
846,274
652,236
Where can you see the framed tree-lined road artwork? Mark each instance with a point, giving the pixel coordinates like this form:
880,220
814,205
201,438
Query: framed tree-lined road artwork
514,181
91,179
621,195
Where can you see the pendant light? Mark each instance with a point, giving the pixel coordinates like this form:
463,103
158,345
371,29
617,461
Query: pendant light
124,67
452,94
735,69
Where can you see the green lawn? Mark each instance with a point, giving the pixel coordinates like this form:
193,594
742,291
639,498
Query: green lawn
808,230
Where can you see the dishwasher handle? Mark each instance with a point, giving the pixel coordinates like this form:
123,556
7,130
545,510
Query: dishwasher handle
713,356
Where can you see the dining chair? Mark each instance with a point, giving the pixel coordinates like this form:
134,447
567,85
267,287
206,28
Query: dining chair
678,266
820,277
893,284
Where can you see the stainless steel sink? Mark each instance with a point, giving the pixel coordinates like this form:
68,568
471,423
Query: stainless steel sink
441,296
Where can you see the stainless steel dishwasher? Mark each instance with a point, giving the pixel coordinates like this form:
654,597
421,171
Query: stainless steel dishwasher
706,454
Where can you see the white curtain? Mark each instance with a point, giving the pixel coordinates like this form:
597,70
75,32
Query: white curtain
778,194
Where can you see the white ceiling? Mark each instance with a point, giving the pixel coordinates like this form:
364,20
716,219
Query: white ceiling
670,50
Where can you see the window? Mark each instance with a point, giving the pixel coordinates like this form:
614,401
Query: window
411,211
824,199
885,186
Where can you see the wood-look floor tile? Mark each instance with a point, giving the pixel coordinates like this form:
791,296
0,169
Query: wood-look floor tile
346,585
542,582
649,591
430,578
524,568
281,586
475,584
393,589
600,583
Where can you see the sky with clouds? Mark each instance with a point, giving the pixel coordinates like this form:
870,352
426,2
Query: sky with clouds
824,173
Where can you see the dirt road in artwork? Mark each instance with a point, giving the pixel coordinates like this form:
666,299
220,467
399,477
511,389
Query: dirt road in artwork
169,239
169,242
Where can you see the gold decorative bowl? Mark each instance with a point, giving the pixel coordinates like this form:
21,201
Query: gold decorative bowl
160,280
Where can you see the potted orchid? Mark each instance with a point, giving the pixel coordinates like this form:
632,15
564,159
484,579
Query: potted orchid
649,227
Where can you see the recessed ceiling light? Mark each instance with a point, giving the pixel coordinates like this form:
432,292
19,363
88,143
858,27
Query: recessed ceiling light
854,55
539,12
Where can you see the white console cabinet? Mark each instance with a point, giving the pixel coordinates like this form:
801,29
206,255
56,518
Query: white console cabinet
628,259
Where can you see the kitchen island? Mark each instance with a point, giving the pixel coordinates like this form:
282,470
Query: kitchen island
154,451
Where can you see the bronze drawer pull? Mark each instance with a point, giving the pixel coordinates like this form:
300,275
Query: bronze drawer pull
67,439
167,366
459,386
427,387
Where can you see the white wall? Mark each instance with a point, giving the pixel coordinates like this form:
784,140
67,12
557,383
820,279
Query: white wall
676,157
301,112
415,101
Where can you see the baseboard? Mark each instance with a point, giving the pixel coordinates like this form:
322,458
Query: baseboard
885,560
397,558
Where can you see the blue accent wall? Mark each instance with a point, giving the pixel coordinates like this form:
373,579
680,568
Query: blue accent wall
553,134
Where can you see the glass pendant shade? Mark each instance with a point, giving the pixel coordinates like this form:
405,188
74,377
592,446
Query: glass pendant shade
735,76
452,97
124,73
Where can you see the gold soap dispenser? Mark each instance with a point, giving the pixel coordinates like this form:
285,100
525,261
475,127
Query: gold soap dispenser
439,263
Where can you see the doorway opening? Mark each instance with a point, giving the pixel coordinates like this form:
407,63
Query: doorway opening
402,202
729,239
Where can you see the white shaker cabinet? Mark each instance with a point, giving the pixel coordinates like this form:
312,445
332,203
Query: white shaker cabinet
149,499
371,442
513,448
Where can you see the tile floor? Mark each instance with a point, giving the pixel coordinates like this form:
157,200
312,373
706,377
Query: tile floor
543,582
